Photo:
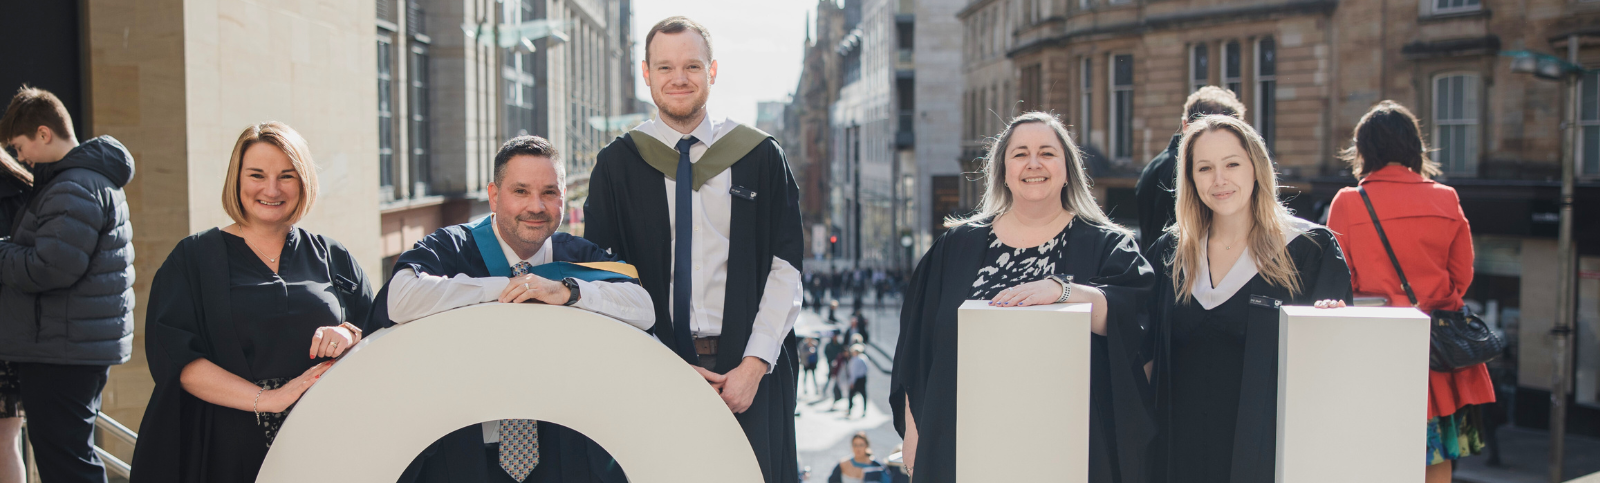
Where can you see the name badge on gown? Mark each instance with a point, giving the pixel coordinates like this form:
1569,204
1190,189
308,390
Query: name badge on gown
1265,302
743,192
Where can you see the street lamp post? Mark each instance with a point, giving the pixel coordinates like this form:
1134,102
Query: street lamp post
1563,327
1569,72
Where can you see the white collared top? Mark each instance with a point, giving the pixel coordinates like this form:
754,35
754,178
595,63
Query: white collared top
780,302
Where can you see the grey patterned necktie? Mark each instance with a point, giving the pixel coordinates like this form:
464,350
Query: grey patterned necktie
519,438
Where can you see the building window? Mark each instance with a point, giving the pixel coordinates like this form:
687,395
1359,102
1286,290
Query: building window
1440,7
1230,68
1199,67
518,75
1455,122
385,119
1121,106
1086,103
1032,87
1589,123
420,132
1267,90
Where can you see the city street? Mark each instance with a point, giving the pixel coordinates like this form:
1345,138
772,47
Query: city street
822,431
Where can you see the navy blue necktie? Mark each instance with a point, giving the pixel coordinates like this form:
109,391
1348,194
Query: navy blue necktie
683,253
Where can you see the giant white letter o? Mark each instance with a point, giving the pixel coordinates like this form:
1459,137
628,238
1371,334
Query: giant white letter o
403,388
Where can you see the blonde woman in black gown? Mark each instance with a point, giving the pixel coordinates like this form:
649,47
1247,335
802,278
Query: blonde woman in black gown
1232,257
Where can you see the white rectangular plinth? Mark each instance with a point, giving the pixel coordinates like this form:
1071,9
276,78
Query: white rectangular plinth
1022,393
1352,395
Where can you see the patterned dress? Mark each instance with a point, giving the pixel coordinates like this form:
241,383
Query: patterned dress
1005,266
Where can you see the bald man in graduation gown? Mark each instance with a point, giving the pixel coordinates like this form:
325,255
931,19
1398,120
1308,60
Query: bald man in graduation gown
707,211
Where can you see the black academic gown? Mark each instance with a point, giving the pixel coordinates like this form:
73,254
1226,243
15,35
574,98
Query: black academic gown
925,358
626,212
565,455
1323,276
1154,197
189,318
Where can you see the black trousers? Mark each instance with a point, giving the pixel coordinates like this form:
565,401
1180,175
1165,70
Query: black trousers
60,402
857,387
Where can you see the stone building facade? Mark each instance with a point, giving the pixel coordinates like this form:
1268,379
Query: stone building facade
459,77
1118,71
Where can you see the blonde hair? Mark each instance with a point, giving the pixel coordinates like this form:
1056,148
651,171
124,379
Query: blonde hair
11,166
286,139
1271,218
1075,195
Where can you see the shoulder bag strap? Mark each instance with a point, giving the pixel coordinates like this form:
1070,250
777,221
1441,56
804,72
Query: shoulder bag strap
1385,238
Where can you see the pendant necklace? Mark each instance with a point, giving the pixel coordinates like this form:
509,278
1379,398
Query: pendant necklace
253,247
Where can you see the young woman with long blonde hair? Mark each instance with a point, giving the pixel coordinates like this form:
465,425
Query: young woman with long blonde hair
1234,255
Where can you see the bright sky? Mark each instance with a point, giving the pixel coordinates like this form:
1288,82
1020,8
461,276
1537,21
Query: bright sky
757,44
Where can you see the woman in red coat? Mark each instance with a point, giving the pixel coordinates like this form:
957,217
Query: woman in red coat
1433,242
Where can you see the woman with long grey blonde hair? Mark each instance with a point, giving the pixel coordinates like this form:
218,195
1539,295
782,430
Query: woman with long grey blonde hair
1038,237
1233,256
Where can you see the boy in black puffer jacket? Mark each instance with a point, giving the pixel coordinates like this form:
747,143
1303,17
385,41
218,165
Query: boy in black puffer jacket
66,281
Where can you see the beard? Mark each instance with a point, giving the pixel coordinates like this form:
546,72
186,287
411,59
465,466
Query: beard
684,113
530,238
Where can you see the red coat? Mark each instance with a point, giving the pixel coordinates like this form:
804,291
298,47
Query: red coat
1433,241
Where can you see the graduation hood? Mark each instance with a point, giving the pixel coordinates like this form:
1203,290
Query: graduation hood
102,155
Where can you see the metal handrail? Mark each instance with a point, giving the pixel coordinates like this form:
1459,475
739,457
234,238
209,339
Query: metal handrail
116,429
113,464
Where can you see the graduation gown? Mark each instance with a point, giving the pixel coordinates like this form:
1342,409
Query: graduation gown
1323,276
626,213
925,358
461,456
190,317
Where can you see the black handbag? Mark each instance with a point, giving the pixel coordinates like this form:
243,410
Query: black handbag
1458,339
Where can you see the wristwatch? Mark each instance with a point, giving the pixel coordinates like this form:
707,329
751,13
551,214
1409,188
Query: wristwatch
1066,286
572,287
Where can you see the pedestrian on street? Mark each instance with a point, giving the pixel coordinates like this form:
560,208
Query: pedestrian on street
859,467
856,372
808,354
66,282
1213,326
836,374
1434,251
1038,238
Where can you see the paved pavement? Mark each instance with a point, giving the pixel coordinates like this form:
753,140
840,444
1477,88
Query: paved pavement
822,430
1525,458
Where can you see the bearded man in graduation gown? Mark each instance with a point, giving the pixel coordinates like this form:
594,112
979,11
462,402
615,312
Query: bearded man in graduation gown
514,256
708,211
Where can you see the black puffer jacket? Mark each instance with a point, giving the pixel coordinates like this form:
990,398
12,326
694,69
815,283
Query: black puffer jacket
66,275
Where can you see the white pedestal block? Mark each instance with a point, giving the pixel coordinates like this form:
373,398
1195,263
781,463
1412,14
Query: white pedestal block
1352,395
403,388
1022,396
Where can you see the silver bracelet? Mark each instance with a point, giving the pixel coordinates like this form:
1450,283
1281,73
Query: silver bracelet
256,407
1066,286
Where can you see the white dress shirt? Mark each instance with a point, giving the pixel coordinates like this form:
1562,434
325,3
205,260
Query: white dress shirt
413,296
780,302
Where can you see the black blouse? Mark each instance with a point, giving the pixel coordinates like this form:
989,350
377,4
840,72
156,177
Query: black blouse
215,299
282,310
